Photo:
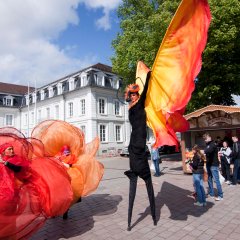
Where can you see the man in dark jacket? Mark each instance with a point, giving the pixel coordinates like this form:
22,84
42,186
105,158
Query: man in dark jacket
236,159
212,164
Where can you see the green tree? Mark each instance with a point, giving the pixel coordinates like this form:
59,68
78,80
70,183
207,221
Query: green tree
143,25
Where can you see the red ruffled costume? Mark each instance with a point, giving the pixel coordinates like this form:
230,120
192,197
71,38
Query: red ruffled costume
41,188
84,170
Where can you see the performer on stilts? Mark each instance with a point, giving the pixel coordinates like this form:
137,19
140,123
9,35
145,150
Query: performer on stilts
159,97
137,154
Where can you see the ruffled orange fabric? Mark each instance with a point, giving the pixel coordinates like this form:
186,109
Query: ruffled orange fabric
175,68
40,190
85,172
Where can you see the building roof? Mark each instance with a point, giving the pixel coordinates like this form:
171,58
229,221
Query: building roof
8,88
99,66
102,67
212,108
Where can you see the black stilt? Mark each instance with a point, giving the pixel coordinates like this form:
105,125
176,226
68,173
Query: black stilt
151,197
132,193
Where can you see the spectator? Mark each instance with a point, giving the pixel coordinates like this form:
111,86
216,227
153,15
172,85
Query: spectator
224,158
236,159
197,166
212,167
155,158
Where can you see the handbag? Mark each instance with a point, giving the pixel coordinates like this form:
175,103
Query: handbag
221,178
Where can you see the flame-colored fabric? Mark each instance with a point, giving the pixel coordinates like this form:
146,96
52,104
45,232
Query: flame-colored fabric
41,188
55,134
177,64
85,171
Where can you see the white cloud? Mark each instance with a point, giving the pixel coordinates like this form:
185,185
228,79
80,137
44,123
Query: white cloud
29,29
107,5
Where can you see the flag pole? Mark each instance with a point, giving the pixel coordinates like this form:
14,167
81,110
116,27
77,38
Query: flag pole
28,111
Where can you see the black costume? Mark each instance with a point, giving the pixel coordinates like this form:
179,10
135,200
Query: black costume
137,154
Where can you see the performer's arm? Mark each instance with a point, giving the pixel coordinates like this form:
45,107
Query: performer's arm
13,167
144,93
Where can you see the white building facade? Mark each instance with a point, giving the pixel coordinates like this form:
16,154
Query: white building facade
87,99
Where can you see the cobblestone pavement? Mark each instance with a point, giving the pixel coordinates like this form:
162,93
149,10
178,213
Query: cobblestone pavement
103,214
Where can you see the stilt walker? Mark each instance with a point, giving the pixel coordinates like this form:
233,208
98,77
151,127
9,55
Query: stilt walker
138,157
159,97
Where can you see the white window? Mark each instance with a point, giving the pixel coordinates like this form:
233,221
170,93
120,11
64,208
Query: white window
57,111
118,133
8,101
83,79
34,98
83,128
103,133
117,109
82,107
42,94
102,106
48,113
100,80
50,92
70,109
9,119
71,84
59,88
115,83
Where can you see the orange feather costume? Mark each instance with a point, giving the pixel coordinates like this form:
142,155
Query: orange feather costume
175,68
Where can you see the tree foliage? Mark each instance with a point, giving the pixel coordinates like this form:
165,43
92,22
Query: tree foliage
143,25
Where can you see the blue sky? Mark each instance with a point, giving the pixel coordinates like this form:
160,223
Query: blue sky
45,40
87,38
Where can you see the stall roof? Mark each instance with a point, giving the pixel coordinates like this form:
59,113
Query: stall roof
212,108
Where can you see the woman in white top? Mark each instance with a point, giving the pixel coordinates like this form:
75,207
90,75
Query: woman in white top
224,158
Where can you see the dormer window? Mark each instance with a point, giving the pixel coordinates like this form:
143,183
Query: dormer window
100,79
8,101
71,84
42,94
83,79
108,82
50,92
59,88
27,99
33,97
115,83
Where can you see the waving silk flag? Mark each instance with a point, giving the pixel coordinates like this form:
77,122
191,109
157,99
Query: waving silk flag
175,68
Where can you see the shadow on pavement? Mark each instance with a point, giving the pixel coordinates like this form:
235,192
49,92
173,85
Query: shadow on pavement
80,218
177,169
178,201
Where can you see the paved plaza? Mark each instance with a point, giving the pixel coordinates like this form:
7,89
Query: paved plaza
103,214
